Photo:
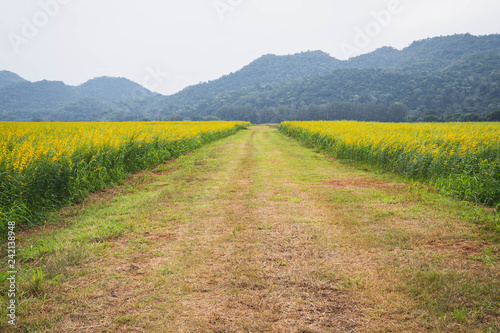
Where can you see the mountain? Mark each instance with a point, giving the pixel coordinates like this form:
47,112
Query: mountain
439,76
37,95
385,57
449,78
267,70
459,89
7,78
435,54
272,69
110,89
54,100
432,55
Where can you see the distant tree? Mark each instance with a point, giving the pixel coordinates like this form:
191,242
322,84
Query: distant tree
398,112
210,118
494,116
413,119
431,119
470,117
176,117
456,116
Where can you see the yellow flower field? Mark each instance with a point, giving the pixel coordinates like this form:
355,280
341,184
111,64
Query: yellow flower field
24,143
462,159
45,165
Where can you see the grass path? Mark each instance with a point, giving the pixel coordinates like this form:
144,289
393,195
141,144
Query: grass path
255,233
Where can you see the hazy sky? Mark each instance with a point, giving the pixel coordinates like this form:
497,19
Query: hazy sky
167,45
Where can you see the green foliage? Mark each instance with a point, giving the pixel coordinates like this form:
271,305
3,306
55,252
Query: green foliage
395,112
494,116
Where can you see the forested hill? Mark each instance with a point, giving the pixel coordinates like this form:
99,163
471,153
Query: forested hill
112,89
23,100
7,78
269,69
442,78
431,54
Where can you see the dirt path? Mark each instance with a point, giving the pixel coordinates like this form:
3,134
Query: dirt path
257,234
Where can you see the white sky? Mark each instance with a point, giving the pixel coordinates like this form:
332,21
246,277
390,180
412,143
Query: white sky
167,45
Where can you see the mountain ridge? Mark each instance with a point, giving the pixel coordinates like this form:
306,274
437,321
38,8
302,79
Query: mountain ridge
384,57
7,78
433,76
25,97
